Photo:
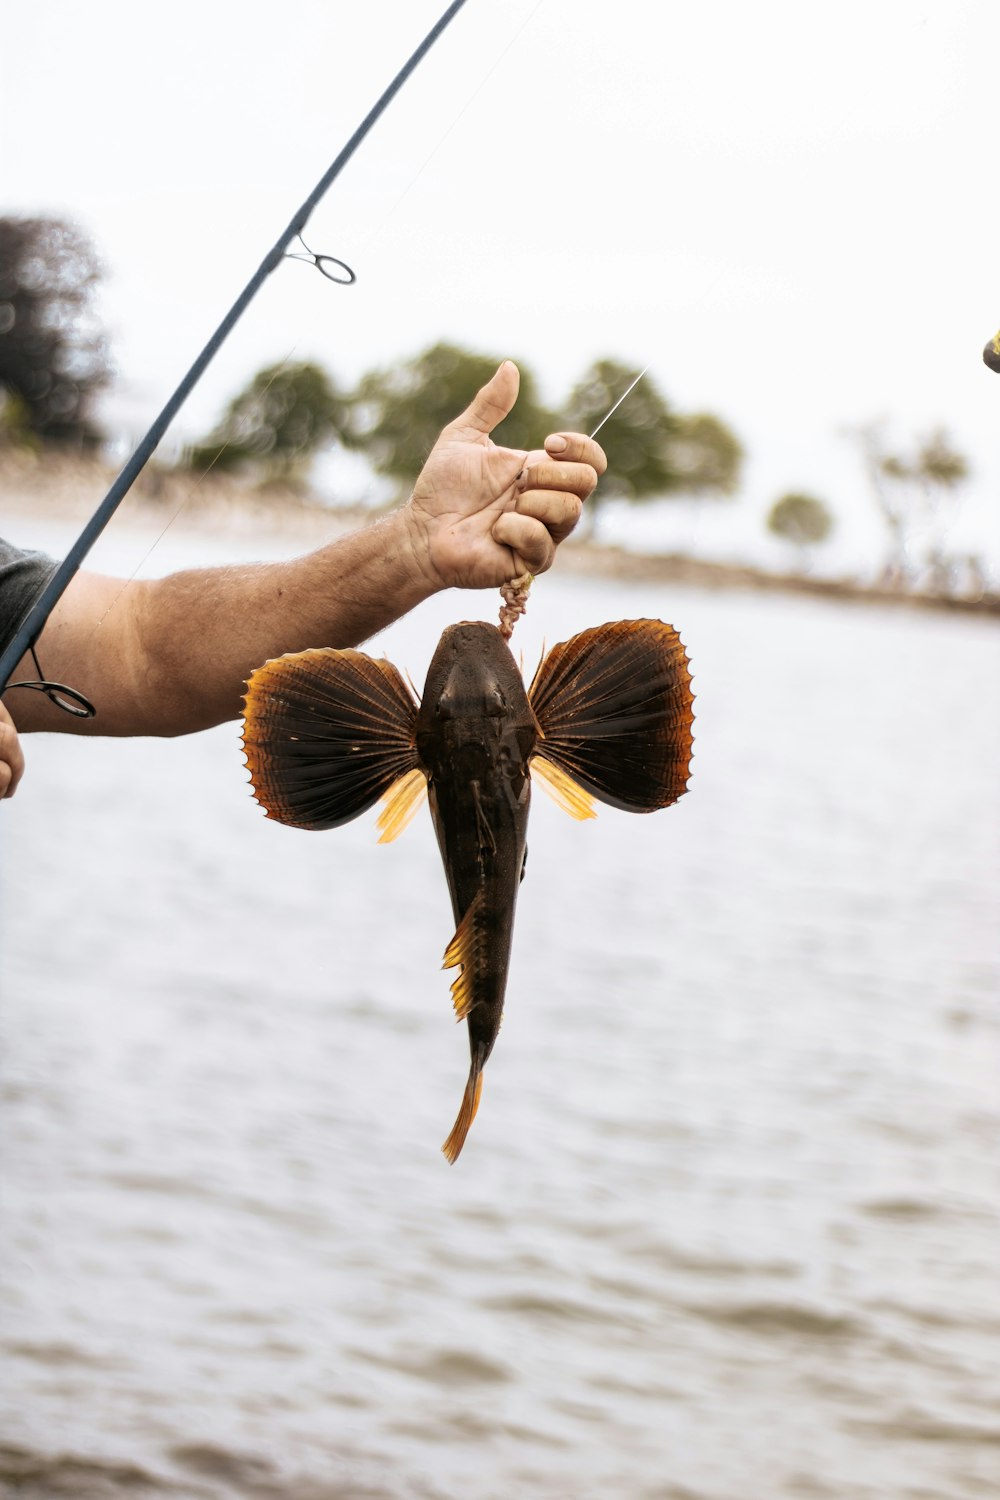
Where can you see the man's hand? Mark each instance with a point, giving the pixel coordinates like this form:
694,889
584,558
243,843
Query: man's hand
11,759
480,515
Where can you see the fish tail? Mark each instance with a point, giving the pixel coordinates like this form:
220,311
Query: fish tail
467,1113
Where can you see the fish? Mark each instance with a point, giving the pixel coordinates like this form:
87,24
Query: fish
608,716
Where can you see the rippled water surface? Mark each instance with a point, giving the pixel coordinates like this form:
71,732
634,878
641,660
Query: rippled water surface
727,1224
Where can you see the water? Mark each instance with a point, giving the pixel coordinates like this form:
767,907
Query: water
727,1224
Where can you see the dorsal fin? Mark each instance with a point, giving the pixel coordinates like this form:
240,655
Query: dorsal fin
614,705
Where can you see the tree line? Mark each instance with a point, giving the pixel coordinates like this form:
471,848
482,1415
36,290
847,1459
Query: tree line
55,364
289,411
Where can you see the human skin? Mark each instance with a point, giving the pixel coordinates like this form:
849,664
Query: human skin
172,655
11,757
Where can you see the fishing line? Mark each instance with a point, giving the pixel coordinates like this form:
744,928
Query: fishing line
618,403
36,617
334,269
338,271
515,593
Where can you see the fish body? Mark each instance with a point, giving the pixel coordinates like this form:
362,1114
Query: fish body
475,735
608,715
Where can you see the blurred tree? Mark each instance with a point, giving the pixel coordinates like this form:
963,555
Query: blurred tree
53,355
939,470
652,450
707,455
399,413
883,468
14,426
913,494
800,519
276,423
939,467
639,437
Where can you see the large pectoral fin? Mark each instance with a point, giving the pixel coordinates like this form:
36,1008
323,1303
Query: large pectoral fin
326,733
614,705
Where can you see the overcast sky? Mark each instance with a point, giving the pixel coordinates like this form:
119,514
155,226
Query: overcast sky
790,212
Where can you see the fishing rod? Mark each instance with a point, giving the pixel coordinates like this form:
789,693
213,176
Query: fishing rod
334,269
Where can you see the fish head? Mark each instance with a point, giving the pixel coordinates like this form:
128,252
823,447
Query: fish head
473,675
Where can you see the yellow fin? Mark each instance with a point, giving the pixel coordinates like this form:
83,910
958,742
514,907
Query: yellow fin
400,805
563,790
466,1115
461,953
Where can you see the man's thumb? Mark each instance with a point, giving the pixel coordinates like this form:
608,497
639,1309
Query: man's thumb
490,405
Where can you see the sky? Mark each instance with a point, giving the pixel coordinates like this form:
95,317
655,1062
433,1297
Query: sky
789,212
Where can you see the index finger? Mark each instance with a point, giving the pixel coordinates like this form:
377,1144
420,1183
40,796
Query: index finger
576,448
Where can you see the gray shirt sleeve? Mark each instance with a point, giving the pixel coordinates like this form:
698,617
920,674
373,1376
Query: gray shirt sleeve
23,575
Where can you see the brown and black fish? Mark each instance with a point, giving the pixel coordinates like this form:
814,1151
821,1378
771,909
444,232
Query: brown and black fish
608,715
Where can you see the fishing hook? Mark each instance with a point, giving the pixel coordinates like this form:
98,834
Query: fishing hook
33,623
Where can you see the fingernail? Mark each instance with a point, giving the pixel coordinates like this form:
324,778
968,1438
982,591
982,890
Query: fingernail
555,444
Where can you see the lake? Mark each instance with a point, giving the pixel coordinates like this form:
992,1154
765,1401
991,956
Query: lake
728,1222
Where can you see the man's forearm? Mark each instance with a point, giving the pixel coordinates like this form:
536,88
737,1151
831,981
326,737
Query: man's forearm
171,655
201,637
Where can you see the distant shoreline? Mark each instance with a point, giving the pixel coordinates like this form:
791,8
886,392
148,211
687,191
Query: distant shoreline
67,489
665,567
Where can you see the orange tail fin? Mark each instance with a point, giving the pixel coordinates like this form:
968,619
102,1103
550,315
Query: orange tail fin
467,1113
